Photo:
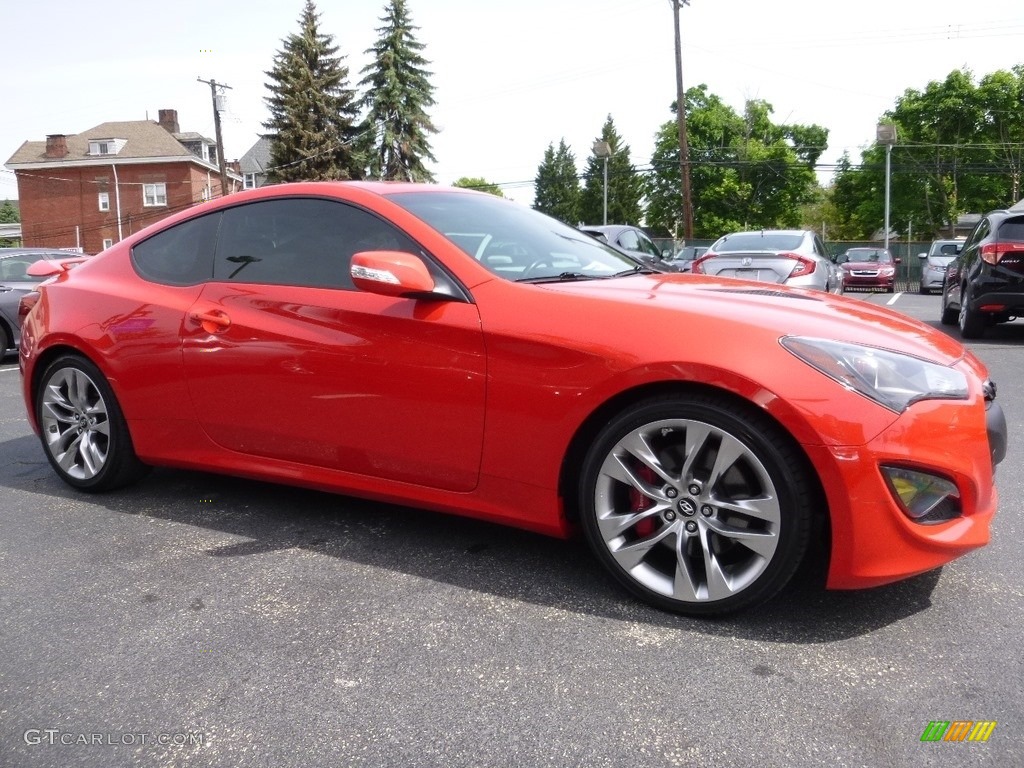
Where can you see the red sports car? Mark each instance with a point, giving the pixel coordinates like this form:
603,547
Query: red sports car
451,350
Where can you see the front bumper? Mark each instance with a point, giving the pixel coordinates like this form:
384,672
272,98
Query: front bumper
873,541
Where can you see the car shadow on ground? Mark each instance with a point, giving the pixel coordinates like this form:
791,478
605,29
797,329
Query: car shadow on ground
1003,333
492,559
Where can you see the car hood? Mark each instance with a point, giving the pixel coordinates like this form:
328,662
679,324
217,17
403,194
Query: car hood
728,306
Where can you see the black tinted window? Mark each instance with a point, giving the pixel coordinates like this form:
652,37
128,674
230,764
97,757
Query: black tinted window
181,255
759,241
1012,229
300,241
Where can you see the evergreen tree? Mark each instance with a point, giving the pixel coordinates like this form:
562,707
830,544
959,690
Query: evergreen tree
557,186
312,110
624,185
398,94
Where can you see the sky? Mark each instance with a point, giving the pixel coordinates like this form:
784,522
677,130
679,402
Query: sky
510,78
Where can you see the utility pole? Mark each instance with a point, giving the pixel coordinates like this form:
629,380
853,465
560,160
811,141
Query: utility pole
214,85
684,146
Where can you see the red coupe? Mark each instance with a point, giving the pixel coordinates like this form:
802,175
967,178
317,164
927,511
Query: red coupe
451,350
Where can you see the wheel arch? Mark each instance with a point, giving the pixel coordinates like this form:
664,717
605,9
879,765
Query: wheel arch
42,362
572,463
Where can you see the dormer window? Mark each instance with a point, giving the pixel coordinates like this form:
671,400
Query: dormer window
105,146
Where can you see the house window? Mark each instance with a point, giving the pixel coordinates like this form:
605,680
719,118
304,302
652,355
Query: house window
107,242
104,201
250,181
154,195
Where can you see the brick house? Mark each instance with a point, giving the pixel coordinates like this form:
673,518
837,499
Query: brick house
91,189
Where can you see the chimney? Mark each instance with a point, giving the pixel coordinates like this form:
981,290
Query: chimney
169,120
56,146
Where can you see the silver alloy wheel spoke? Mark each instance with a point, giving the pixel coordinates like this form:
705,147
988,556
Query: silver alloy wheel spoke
75,423
725,495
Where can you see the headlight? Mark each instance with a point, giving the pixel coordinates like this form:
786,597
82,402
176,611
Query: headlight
891,379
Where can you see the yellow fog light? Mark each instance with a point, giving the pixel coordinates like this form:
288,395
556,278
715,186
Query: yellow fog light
924,498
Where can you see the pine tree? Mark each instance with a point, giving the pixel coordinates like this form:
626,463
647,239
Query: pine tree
624,184
557,185
312,110
398,94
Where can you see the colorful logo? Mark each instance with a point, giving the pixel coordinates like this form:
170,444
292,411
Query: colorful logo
958,730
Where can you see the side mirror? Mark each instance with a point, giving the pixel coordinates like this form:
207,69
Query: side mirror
391,273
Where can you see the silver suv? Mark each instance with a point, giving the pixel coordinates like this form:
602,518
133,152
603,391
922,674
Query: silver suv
934,263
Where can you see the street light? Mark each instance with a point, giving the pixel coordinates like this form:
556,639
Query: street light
603,149
886,134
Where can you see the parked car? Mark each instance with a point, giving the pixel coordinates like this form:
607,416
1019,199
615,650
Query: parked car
634,241
684,257
984,285
935,261
796,258
868,268
10,332
14,264
356,337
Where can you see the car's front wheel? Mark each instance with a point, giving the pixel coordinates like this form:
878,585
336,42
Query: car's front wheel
697,504
83,431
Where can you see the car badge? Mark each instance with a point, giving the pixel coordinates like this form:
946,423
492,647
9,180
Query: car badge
747,261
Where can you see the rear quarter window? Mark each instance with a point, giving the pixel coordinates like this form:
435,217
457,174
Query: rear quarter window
180,255
1012,229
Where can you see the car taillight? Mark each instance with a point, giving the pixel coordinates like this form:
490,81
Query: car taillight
993,253
804,266
697,267
25,305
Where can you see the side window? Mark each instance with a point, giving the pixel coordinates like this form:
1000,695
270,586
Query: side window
181,255
970,249
299,241
647,245
629,240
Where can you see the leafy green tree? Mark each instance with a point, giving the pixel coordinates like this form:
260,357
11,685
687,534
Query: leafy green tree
479,184
398,94
746,171
625,190
8,215
557,185
312,110
959,149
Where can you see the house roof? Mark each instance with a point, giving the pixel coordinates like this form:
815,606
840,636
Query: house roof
257,159
144,139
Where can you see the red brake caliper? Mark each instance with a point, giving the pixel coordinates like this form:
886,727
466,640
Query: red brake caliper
638,502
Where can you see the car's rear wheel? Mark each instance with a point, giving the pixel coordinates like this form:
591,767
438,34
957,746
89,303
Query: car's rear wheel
698,504
949,314
972,324
5,340
83,431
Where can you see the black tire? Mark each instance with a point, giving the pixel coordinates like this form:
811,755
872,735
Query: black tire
972,324
6,341
680,537
949,315
924,291
82,429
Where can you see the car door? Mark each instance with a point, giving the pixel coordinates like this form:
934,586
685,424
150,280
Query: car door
286,360
958,275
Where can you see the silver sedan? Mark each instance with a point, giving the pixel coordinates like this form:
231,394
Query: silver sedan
794,257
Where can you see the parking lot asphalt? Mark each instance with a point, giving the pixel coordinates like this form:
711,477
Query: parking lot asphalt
198,620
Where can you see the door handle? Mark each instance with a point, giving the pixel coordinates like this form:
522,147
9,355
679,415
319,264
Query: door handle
213,321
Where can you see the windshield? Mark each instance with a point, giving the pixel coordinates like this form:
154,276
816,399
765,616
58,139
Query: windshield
512,241
758,241
857,255
940,261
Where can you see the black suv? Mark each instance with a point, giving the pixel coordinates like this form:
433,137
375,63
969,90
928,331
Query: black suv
984,285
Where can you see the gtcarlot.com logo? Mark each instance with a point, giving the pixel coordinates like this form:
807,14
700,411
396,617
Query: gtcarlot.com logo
958,730
55,737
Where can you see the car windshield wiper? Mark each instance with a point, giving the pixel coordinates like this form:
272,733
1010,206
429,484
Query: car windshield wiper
563,277
637,270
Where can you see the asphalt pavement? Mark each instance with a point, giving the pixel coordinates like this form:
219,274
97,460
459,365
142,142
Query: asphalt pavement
197,620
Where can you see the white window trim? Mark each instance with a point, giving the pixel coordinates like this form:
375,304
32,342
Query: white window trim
107,242
103,199
159,197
